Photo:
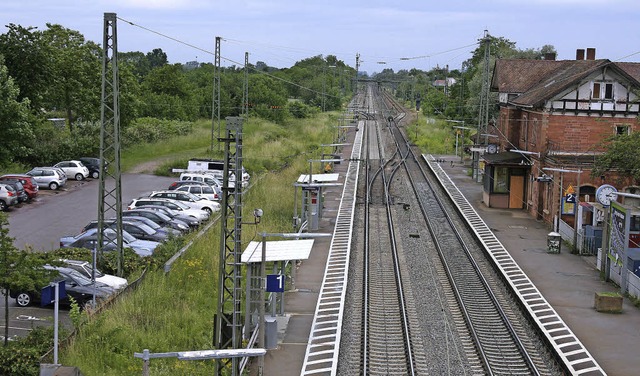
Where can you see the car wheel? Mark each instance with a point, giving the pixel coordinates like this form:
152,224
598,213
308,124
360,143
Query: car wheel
3,206
24,299
208,210
95,174
53,185
79,177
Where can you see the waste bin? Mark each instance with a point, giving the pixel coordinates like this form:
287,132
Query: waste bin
554,241
271,333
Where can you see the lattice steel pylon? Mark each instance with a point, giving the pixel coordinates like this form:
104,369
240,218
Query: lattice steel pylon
483,108
110,196
228,322
215,110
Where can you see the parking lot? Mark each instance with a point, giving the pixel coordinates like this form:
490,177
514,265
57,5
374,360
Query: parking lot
40,224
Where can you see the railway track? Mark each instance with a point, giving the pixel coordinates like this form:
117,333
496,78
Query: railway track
430,290
386,335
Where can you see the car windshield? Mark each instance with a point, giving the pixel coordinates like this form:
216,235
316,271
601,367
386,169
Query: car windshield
76,276
146,221
111,234
181,205
194,197
85,269
146,229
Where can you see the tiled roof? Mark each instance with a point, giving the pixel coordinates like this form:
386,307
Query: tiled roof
538,80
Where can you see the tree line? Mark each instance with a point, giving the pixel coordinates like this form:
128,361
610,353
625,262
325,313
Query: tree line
55,73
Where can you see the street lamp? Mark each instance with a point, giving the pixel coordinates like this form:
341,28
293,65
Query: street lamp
463,128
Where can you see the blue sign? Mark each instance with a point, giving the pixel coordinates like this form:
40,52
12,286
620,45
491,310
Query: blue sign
570,198
48,294
275,283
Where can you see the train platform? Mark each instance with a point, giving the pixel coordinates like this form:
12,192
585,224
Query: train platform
568,282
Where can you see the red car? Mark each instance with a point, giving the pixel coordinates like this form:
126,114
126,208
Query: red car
30,186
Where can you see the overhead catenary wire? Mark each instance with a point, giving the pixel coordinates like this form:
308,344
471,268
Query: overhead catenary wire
226,59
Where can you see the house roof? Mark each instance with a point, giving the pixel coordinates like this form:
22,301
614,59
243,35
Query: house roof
538,80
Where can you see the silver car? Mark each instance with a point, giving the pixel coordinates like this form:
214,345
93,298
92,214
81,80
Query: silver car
8,196
48,177
73,169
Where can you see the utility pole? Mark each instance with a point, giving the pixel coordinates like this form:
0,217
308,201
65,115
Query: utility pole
228,321
357,69
110,198
245,87
483,113
215,109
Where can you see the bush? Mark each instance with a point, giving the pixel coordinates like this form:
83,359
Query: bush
22,357
154,130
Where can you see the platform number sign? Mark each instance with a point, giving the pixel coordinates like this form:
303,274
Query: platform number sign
275,283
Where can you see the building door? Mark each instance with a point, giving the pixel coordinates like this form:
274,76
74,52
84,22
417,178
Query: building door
516,192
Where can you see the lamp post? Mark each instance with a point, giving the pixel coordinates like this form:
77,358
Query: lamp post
460,128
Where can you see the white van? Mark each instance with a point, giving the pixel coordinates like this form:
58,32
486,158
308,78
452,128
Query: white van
215,167
203,177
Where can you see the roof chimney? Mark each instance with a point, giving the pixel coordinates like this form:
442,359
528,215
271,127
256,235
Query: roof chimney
591,53
580,54
550,56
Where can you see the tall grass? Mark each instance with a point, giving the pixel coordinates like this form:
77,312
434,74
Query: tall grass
174,312
431,135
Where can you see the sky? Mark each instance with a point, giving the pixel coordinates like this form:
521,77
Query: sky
387,34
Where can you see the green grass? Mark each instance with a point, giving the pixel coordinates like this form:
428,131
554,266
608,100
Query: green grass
174,312
434,136
183,147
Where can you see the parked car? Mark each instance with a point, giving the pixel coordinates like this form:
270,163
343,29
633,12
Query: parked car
93,164
138,229
28,182
215,167
8,196
174,216
203,177
48,177
201,189
174,205
193,201
159,217
89,240
169,230
18,187
192,222
77,286
73,169
86,269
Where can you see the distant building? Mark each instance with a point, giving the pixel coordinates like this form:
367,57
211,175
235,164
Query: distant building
189,65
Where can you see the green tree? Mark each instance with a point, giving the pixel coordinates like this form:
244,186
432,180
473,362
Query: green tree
28,59
139,62
157,58
18,269
168,94
76,74
621,156
15,130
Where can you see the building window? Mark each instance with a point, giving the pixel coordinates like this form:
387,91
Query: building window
602,90
501,180
622,130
